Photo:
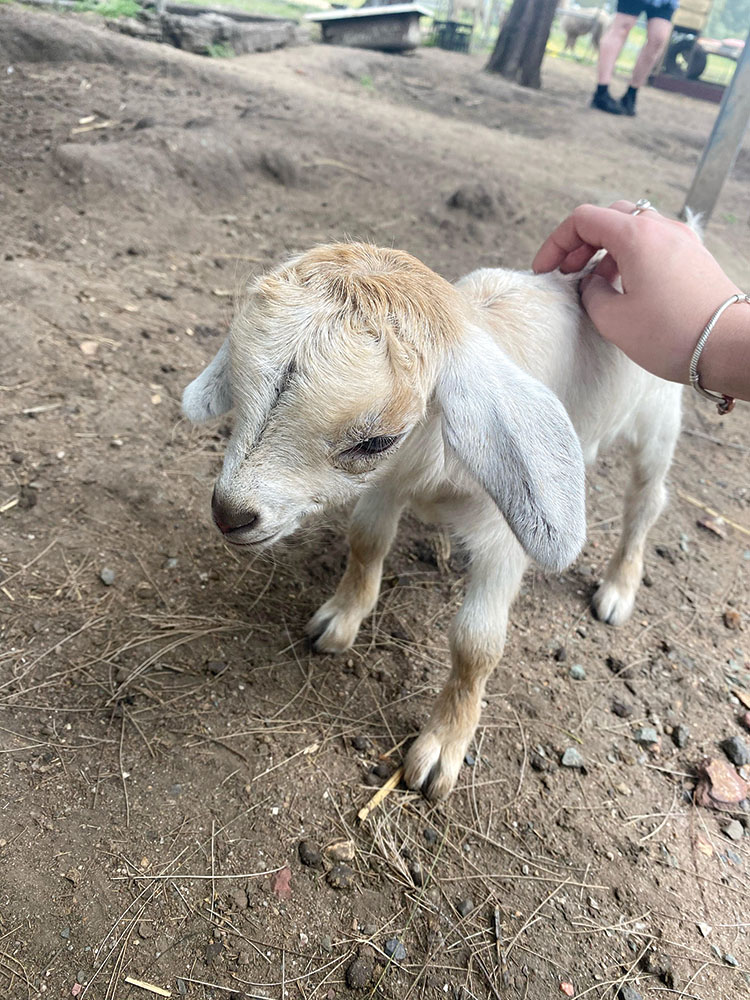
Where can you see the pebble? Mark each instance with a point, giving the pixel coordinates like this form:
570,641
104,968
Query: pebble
465,906
430,835
360,743
341,877
730,959
736,750
734,830
170,563
181,987
561,654
629,993
577,672
359,972
646,736
732,619
216,667
340,850
65,933
326,943
309,854
394,949
680,736
239,898
417,875
734,858
621,709
572,758
107,576
470,760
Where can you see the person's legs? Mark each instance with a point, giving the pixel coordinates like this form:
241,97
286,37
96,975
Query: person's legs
658,30
611,45
609,49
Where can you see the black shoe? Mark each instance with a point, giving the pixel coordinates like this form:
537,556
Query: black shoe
605,102
627,105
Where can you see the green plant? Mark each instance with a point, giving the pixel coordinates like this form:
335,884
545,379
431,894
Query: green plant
110,8
218,50
367,81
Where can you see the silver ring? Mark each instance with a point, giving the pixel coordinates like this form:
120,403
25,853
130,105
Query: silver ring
642,205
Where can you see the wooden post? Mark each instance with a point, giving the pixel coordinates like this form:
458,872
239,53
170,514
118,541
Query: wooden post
724,142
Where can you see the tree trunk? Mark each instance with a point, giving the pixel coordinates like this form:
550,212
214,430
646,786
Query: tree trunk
519,49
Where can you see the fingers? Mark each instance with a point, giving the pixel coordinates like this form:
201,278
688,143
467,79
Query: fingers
588,229
598,298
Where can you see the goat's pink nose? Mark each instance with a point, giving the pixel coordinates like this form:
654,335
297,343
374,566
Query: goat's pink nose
228,518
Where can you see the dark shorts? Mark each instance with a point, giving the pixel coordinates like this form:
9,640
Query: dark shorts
635,7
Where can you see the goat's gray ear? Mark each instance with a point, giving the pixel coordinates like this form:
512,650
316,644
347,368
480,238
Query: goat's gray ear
516,439
210,394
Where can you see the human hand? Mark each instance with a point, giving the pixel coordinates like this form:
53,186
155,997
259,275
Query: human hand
671,287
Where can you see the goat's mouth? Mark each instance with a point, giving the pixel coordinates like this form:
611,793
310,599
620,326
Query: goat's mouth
253,542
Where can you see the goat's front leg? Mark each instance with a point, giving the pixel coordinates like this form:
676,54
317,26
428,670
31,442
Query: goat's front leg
334,626
477,641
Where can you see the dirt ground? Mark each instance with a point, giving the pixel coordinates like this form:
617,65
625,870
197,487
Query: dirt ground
166,739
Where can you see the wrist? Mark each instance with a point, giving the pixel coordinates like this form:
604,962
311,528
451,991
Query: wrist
724,363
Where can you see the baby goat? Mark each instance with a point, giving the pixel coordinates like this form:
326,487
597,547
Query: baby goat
358,373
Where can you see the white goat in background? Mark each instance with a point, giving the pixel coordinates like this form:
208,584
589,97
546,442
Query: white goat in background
583,21
358,373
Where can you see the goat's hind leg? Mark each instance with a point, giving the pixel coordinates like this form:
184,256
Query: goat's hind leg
334,626
652,455
477,641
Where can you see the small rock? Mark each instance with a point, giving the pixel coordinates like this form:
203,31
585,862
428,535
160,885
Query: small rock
65,933
181,987
145,930
744,720
170,563
73,875
629,993
734,858
146,122
465,906
736,751
705,929
732,619
216,667
577,673
730,959
341,877
572,758
561,654
539,762
734,830
340,850
359,973
680,736
382,770
360,743
394,949
417,875
621,709
719,785
107,576
309,854
372,779
430,836
646,736
470,760
239,898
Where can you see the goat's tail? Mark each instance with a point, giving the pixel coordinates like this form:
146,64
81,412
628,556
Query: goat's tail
694,221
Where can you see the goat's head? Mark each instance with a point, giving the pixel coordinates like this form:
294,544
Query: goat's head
332,361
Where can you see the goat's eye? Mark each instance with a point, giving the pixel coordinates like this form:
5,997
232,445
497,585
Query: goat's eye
373,446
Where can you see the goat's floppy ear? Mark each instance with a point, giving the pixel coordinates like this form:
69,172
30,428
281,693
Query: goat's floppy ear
516,439
210,394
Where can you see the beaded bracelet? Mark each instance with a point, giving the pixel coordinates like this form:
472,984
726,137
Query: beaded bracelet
724,403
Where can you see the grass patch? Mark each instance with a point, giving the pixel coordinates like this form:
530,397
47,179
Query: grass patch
270,8
220,51
110,8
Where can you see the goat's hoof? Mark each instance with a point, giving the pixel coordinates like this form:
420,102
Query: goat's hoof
613,604
331,631
432,767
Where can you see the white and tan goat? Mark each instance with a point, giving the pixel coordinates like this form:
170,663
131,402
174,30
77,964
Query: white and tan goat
357,373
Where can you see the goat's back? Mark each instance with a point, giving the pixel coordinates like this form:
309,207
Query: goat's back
539,322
